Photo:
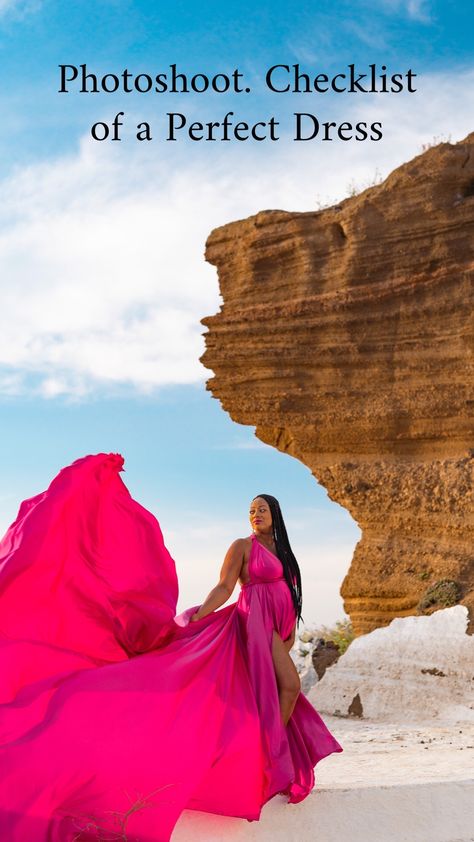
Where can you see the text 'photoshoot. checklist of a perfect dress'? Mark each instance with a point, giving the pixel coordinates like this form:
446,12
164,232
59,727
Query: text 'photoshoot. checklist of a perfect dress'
108,698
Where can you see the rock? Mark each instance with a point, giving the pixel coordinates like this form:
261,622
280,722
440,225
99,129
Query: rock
325,654
416,669
312,656
346,337
301,654
308,677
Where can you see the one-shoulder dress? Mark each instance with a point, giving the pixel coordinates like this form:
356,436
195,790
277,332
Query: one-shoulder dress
116,714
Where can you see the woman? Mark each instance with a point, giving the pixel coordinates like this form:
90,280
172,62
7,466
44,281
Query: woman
118,714
264,512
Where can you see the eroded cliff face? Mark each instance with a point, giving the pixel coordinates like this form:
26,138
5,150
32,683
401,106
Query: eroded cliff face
347,338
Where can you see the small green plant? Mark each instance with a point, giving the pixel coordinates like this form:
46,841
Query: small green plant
342,634
442,594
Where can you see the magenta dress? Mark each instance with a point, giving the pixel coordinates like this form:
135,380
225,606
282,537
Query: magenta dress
116,714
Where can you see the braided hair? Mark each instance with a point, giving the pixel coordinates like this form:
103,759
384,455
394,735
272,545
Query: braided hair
284,552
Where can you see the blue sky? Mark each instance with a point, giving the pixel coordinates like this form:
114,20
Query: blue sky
103,280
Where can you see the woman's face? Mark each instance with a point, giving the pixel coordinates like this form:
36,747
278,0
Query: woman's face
260,515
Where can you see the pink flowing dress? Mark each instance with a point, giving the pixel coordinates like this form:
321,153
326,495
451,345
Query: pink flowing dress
116,714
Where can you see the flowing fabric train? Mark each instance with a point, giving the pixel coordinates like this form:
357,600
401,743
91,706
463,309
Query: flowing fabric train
116,714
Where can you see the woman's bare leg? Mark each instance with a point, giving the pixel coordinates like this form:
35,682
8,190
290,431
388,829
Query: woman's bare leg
288,680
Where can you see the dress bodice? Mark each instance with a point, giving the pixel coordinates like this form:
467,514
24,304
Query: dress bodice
264,567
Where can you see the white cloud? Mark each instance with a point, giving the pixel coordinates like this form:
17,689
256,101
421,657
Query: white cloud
19,8
327,34
370,33
104,282
101,252
419,10
415,9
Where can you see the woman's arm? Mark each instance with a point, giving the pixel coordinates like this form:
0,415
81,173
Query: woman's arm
290,641
229,575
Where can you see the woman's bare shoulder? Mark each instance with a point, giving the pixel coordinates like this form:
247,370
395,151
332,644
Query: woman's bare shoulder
241,544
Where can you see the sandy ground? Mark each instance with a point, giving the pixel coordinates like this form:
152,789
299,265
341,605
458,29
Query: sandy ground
393,753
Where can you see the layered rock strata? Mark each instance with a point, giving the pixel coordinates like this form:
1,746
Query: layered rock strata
346,338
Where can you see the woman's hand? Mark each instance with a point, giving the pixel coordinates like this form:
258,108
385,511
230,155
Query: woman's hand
194,617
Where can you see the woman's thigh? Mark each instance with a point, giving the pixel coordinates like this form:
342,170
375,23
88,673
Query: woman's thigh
286,673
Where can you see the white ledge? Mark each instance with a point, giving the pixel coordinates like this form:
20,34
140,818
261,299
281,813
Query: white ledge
392,783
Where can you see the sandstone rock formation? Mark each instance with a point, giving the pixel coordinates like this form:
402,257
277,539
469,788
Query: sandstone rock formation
347,338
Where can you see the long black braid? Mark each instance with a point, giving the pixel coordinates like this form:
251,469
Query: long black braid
284,552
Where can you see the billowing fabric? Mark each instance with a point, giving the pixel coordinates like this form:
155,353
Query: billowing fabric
116,714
